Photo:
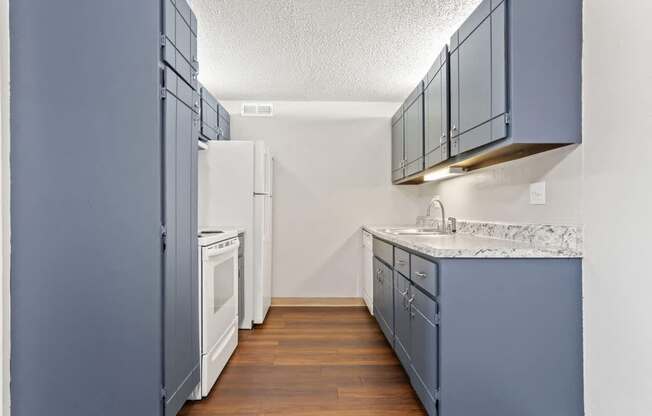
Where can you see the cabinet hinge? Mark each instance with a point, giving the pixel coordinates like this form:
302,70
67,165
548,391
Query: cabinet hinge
508,118
164,394
437,319
163,93
164,237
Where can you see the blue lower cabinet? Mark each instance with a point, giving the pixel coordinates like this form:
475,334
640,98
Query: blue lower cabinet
384,299
485,337
402,337
425,355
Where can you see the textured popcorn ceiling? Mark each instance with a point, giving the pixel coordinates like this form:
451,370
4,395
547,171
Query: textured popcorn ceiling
327,50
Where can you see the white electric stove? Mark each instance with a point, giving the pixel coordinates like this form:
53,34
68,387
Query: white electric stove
218,309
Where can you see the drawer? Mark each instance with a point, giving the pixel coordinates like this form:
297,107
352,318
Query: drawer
384,251
425,305
401,261
423,274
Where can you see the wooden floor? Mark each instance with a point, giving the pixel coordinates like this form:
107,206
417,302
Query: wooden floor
311,361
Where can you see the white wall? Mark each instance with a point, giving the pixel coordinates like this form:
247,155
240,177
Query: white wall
618,207
4,207
332,177
502,192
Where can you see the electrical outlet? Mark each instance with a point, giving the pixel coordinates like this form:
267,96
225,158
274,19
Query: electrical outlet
538,193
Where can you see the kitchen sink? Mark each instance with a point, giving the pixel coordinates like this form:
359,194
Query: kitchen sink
413,231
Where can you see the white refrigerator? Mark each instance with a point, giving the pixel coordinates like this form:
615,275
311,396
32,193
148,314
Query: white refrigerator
235,190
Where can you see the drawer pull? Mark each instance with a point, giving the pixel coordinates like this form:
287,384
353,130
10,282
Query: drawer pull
421,275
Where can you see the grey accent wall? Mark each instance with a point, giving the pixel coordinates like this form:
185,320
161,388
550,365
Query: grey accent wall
86,207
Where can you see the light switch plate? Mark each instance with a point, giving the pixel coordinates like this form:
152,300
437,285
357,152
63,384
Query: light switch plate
538,193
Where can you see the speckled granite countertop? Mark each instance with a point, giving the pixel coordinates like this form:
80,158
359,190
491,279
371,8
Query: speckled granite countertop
492,240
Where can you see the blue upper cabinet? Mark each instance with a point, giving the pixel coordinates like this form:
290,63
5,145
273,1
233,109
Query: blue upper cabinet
209,117
179,41
398,146
436,119
516,79
224,127
479,84
509,87
413,131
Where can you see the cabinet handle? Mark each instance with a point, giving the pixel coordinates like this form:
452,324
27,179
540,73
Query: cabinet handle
442,140
421,275
404,299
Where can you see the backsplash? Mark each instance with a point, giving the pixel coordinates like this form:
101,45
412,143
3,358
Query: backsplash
538,235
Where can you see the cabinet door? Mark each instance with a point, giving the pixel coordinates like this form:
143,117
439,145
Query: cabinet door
388,302
445,101
455,102
377,288
402,340
413,118
475,78
424,344
181,311
180,43
498,73
482,80
397,149
435,112
383,299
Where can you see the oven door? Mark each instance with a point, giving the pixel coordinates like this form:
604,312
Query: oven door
219,291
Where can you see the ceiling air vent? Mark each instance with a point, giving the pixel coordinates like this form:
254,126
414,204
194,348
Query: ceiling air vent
257,110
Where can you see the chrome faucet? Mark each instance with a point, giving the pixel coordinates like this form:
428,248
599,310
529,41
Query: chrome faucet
442,225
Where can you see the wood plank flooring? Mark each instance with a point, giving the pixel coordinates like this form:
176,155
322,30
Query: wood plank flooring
311,361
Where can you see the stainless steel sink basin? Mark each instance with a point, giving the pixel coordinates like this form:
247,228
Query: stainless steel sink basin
413,231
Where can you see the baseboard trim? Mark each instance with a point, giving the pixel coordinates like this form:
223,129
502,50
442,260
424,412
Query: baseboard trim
318,302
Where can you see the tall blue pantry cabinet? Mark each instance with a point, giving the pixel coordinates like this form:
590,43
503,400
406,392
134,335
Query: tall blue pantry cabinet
104,125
